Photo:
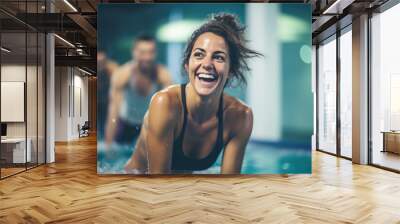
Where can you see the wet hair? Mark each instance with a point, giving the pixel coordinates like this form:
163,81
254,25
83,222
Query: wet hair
226,26
143,37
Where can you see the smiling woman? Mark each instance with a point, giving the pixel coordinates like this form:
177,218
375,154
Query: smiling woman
186,127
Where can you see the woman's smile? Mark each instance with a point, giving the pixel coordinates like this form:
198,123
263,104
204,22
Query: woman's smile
208,66
206,82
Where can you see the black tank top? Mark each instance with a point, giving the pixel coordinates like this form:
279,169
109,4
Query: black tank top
179,160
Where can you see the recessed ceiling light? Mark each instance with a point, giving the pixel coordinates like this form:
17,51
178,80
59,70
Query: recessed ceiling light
5,49
64,40
70,5
84,71
337,7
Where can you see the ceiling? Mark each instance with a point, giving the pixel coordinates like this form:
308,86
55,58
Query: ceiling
76,22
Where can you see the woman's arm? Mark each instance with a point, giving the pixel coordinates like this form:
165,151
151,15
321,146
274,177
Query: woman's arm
160,133
235,148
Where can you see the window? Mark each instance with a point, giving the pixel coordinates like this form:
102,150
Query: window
346,92
327,96
385,89
22,76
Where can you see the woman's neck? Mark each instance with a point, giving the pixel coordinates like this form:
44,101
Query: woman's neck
201,108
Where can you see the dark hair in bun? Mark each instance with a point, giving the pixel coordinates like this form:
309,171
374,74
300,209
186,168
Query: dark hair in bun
228,27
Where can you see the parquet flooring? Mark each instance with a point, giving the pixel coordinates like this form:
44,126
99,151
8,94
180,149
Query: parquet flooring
387,159
9,171
70,191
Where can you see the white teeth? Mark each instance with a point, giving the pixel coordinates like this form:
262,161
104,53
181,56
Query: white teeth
206,76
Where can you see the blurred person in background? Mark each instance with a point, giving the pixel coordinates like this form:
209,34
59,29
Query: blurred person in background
105,68
132,86
187,126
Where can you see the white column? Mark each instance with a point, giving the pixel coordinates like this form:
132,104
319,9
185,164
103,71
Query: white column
360,90
264,86
50,94
63,101
71,102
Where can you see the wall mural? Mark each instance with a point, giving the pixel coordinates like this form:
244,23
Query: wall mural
194,89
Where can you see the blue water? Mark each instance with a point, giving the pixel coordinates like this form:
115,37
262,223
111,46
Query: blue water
259,159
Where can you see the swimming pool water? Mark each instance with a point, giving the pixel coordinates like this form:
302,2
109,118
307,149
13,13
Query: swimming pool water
258,159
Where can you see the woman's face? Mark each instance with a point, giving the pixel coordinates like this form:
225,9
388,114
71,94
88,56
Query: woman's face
208,66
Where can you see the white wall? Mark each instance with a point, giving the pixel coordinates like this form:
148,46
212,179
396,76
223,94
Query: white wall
61,103
12,101
80,94
16,73
71,93
13,73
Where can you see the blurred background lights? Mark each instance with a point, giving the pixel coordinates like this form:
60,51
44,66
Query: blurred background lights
177,31
305,54
292,29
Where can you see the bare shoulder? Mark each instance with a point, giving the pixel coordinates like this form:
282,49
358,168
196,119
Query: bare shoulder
162,68
111,66
166,100
238,115
163,110
121,75
162,72
236,108
163,76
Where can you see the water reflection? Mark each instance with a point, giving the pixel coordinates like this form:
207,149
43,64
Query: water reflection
259,159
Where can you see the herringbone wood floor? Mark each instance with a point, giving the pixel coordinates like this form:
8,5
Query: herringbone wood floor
70,191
